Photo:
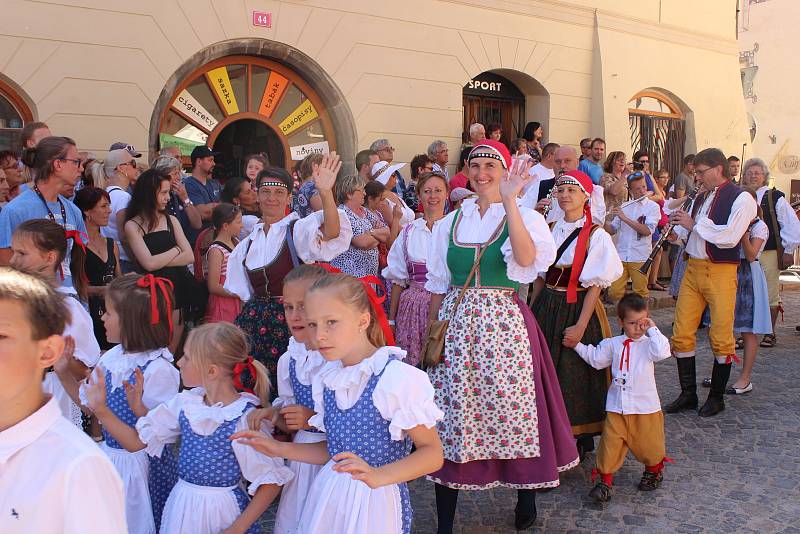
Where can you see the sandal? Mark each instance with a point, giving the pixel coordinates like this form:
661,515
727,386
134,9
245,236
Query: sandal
656,287
768,341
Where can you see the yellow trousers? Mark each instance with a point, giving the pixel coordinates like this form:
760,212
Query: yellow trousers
769,262
643,434
712,284
630,271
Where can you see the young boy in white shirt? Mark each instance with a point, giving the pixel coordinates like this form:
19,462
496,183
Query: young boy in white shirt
634,419
633,225
53,477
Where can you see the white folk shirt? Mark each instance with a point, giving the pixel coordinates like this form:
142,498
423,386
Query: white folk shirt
726,235
419,238
631,246
787,220
633,385
539,172
54,479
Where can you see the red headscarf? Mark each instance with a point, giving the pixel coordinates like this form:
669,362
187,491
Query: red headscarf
489,148
583,181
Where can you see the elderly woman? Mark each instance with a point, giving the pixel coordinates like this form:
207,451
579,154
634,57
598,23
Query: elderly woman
784,232
258,264
505,422
368,230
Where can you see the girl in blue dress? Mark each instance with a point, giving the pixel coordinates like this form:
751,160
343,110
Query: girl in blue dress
372,407
139,317
209,496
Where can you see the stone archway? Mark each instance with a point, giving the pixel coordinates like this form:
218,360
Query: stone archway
301,70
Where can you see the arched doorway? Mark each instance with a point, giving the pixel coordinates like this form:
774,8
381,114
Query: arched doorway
493,99
658,125
287,105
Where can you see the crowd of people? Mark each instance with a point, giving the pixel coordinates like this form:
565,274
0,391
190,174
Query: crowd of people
321,338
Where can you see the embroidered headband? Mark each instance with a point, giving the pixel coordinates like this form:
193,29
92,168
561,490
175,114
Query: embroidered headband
164,286
489,148
273,183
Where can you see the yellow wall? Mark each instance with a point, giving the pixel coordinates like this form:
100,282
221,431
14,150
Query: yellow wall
94,69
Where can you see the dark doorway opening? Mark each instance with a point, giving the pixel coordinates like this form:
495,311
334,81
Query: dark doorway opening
490,98
241,139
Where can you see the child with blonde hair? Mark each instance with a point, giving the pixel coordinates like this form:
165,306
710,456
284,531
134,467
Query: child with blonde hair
372,407
225,385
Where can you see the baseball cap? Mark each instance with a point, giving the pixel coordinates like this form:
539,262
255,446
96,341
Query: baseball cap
201,151
130,148
115,158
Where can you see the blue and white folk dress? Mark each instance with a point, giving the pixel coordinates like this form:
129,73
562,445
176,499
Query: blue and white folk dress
210,493
296,370
147,483
366,409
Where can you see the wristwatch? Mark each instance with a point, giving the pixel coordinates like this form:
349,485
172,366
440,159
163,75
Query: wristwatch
188,202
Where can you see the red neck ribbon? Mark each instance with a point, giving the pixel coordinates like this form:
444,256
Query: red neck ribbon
580,255
238,369
157,284
626,354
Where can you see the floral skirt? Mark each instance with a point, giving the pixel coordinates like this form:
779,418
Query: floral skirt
264,322
584,388
412,321
505,423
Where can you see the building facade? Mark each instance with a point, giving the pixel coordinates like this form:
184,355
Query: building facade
290,78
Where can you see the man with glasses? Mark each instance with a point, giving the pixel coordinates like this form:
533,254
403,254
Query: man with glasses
439,154
586,148
784,233
712,229
385,152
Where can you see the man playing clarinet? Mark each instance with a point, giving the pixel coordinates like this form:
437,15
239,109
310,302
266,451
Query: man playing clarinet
712,229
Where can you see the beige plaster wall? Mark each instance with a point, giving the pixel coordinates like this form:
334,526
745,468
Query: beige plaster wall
94,69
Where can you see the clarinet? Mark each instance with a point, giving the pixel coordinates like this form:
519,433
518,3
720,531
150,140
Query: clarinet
546,209
668,230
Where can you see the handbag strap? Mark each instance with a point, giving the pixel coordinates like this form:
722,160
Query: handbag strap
775,225
481,249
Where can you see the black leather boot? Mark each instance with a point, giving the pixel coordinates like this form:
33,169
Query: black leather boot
716,397
525,511
687,377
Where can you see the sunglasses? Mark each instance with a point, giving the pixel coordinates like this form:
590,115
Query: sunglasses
132,163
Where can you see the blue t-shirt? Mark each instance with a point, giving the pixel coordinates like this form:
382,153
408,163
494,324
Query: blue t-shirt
594,170
29,206
201,194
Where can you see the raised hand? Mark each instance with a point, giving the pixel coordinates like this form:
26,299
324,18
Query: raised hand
134,390
327,171
96,392
515,179
347,462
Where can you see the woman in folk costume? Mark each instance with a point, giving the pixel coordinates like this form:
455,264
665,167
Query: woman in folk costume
407,267
257,265
505,423
566,302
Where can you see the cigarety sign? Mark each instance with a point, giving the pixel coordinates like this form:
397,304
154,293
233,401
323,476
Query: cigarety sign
189,106
301,151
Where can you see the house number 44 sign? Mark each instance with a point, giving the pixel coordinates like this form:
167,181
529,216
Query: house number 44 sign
261,18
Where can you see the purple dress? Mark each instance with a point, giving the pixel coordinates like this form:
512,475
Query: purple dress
412,309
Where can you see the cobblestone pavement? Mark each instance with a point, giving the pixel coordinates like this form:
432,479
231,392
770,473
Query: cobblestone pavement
736,472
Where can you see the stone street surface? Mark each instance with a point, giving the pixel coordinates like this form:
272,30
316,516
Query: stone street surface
736,472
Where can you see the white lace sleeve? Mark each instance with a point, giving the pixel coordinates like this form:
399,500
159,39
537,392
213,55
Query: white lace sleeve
542,240
160,426
236,280
161,382
257,468
438,272
602,265
404,397
310,244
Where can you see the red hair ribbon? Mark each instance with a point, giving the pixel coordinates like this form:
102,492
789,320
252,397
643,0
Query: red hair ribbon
377,304
77,238
241,367
156,283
